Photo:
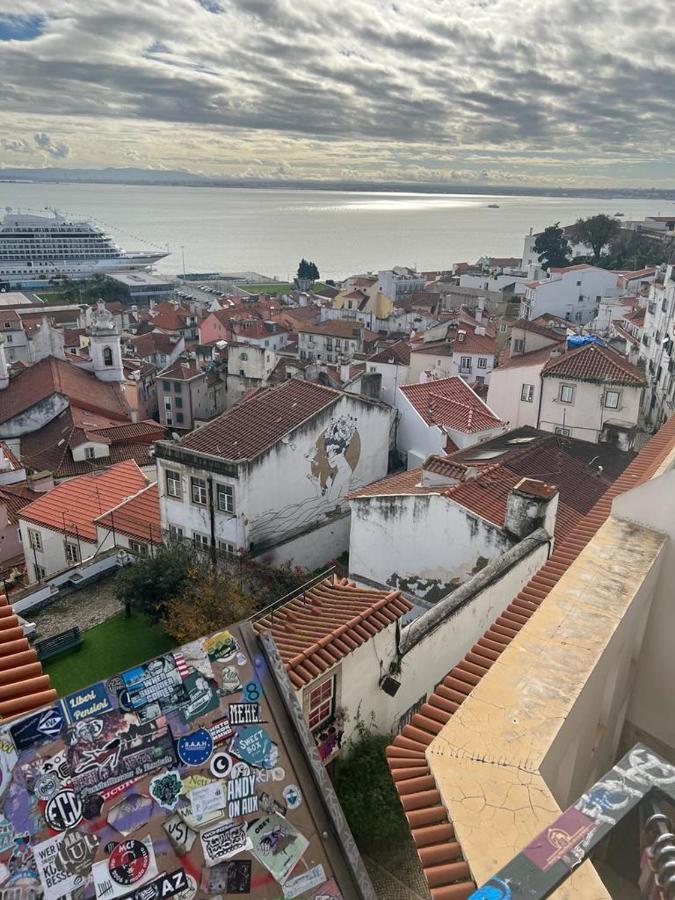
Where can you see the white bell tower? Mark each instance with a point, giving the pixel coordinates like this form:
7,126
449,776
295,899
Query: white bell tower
105,346
4,368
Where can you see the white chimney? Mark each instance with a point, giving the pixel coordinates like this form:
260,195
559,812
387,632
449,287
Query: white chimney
531,504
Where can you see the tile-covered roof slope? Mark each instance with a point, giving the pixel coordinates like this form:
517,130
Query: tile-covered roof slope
137,517
191,774
397,354
319,627
447,873
72,507
250,427
450,402
594,363
23,684
57,376
15,497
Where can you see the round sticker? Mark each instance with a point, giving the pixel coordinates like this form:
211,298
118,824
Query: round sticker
64,810
188,892
92,807
221,764
292,796
129,862
240,770
47,785
194,749
241,659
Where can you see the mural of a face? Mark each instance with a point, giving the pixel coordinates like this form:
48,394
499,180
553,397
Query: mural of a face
335,456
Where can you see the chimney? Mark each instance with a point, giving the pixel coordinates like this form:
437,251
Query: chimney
41,482
531,504
479,329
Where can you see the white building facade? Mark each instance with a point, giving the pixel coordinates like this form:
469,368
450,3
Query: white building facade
573,293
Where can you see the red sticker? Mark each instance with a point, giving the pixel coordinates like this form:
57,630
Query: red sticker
129,862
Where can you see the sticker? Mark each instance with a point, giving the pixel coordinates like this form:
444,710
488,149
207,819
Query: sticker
268,804
254,746
240,769
224,841
221,764
45,775
232,877
130,813
241,659
313,877
221,646
132,861
292,796
190,890
277,845
82,704
252,691
114,750
221,730
166,788
8,759
6,834
91,808
203,697
181,835
165,886
195,657
327,891
63,811
107,887
56,881
158,681
45,786
241,796
190,782
4,873
43,726
231,682
207,799
194,749
245,714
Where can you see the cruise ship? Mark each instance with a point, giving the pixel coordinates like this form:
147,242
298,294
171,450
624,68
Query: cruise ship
38,248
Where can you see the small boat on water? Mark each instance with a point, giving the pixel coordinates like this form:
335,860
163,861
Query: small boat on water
493,206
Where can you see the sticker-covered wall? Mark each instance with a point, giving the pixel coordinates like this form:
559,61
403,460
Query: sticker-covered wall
173,779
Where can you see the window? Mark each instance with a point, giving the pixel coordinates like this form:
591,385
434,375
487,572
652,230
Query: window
179,418
518,345
40,572
177,388
243,356
578,317
89,452
198,491
72,552
527,393
578,284
225,548
169,420
611,400
465,362
8,324
566,393
167,403
138,548
338,344
225,498
176,533
10,338
166,385
560,430
35,539
482,362
201,541
179,402
107,356
173,485
580,298
321,701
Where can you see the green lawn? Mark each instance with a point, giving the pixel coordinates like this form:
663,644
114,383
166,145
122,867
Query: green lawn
108,648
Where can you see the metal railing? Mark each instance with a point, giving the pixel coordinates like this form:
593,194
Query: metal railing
296,592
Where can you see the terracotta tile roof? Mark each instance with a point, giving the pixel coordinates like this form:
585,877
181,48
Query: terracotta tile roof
23,684
181,370
152,343
257,329
637,317
537,328
319,627
474,343
624,333
400,483
72,507
549,320
450,403
145,432
432,348
532,358
57,376
442,465
594,363
577,268
397,354
250,427
137,516
9,457
446,871
342,328
15,497
169,317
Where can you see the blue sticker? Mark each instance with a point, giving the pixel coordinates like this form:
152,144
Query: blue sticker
194,749
254,746
43,726
252,692
90,702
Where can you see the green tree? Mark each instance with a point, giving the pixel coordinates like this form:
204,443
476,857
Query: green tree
552,247
308,271
632,250
596,231
210,600
152,582
366,791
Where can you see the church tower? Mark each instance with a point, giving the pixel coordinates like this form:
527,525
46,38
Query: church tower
105,346
4,367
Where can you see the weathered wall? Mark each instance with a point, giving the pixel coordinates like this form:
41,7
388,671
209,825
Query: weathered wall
35,417
422,544
314,547
504,394
414,436
52,557
586,415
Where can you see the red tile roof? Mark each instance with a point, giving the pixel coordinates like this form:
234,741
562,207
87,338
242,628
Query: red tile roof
474,343
57,376
531,358
536,327
327,622
397,354
432,348
152,343
251,427
15,497
594,363
137,517
181,370
446,871
398,484
72,507
451,403
23,684
342,328
624,333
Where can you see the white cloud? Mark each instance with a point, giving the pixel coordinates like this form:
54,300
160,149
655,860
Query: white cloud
55,149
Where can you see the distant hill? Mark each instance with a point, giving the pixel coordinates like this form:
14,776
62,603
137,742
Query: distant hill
176,177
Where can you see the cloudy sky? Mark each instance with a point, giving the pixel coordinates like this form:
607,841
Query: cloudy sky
490,91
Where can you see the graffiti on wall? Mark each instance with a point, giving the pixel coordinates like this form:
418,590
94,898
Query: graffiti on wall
335,456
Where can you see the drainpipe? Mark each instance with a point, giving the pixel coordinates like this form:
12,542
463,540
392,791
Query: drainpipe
212,522
541,394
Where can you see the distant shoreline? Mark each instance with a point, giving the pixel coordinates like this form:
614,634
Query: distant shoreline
139,179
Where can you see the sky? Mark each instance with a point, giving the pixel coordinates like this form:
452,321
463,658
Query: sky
533,92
